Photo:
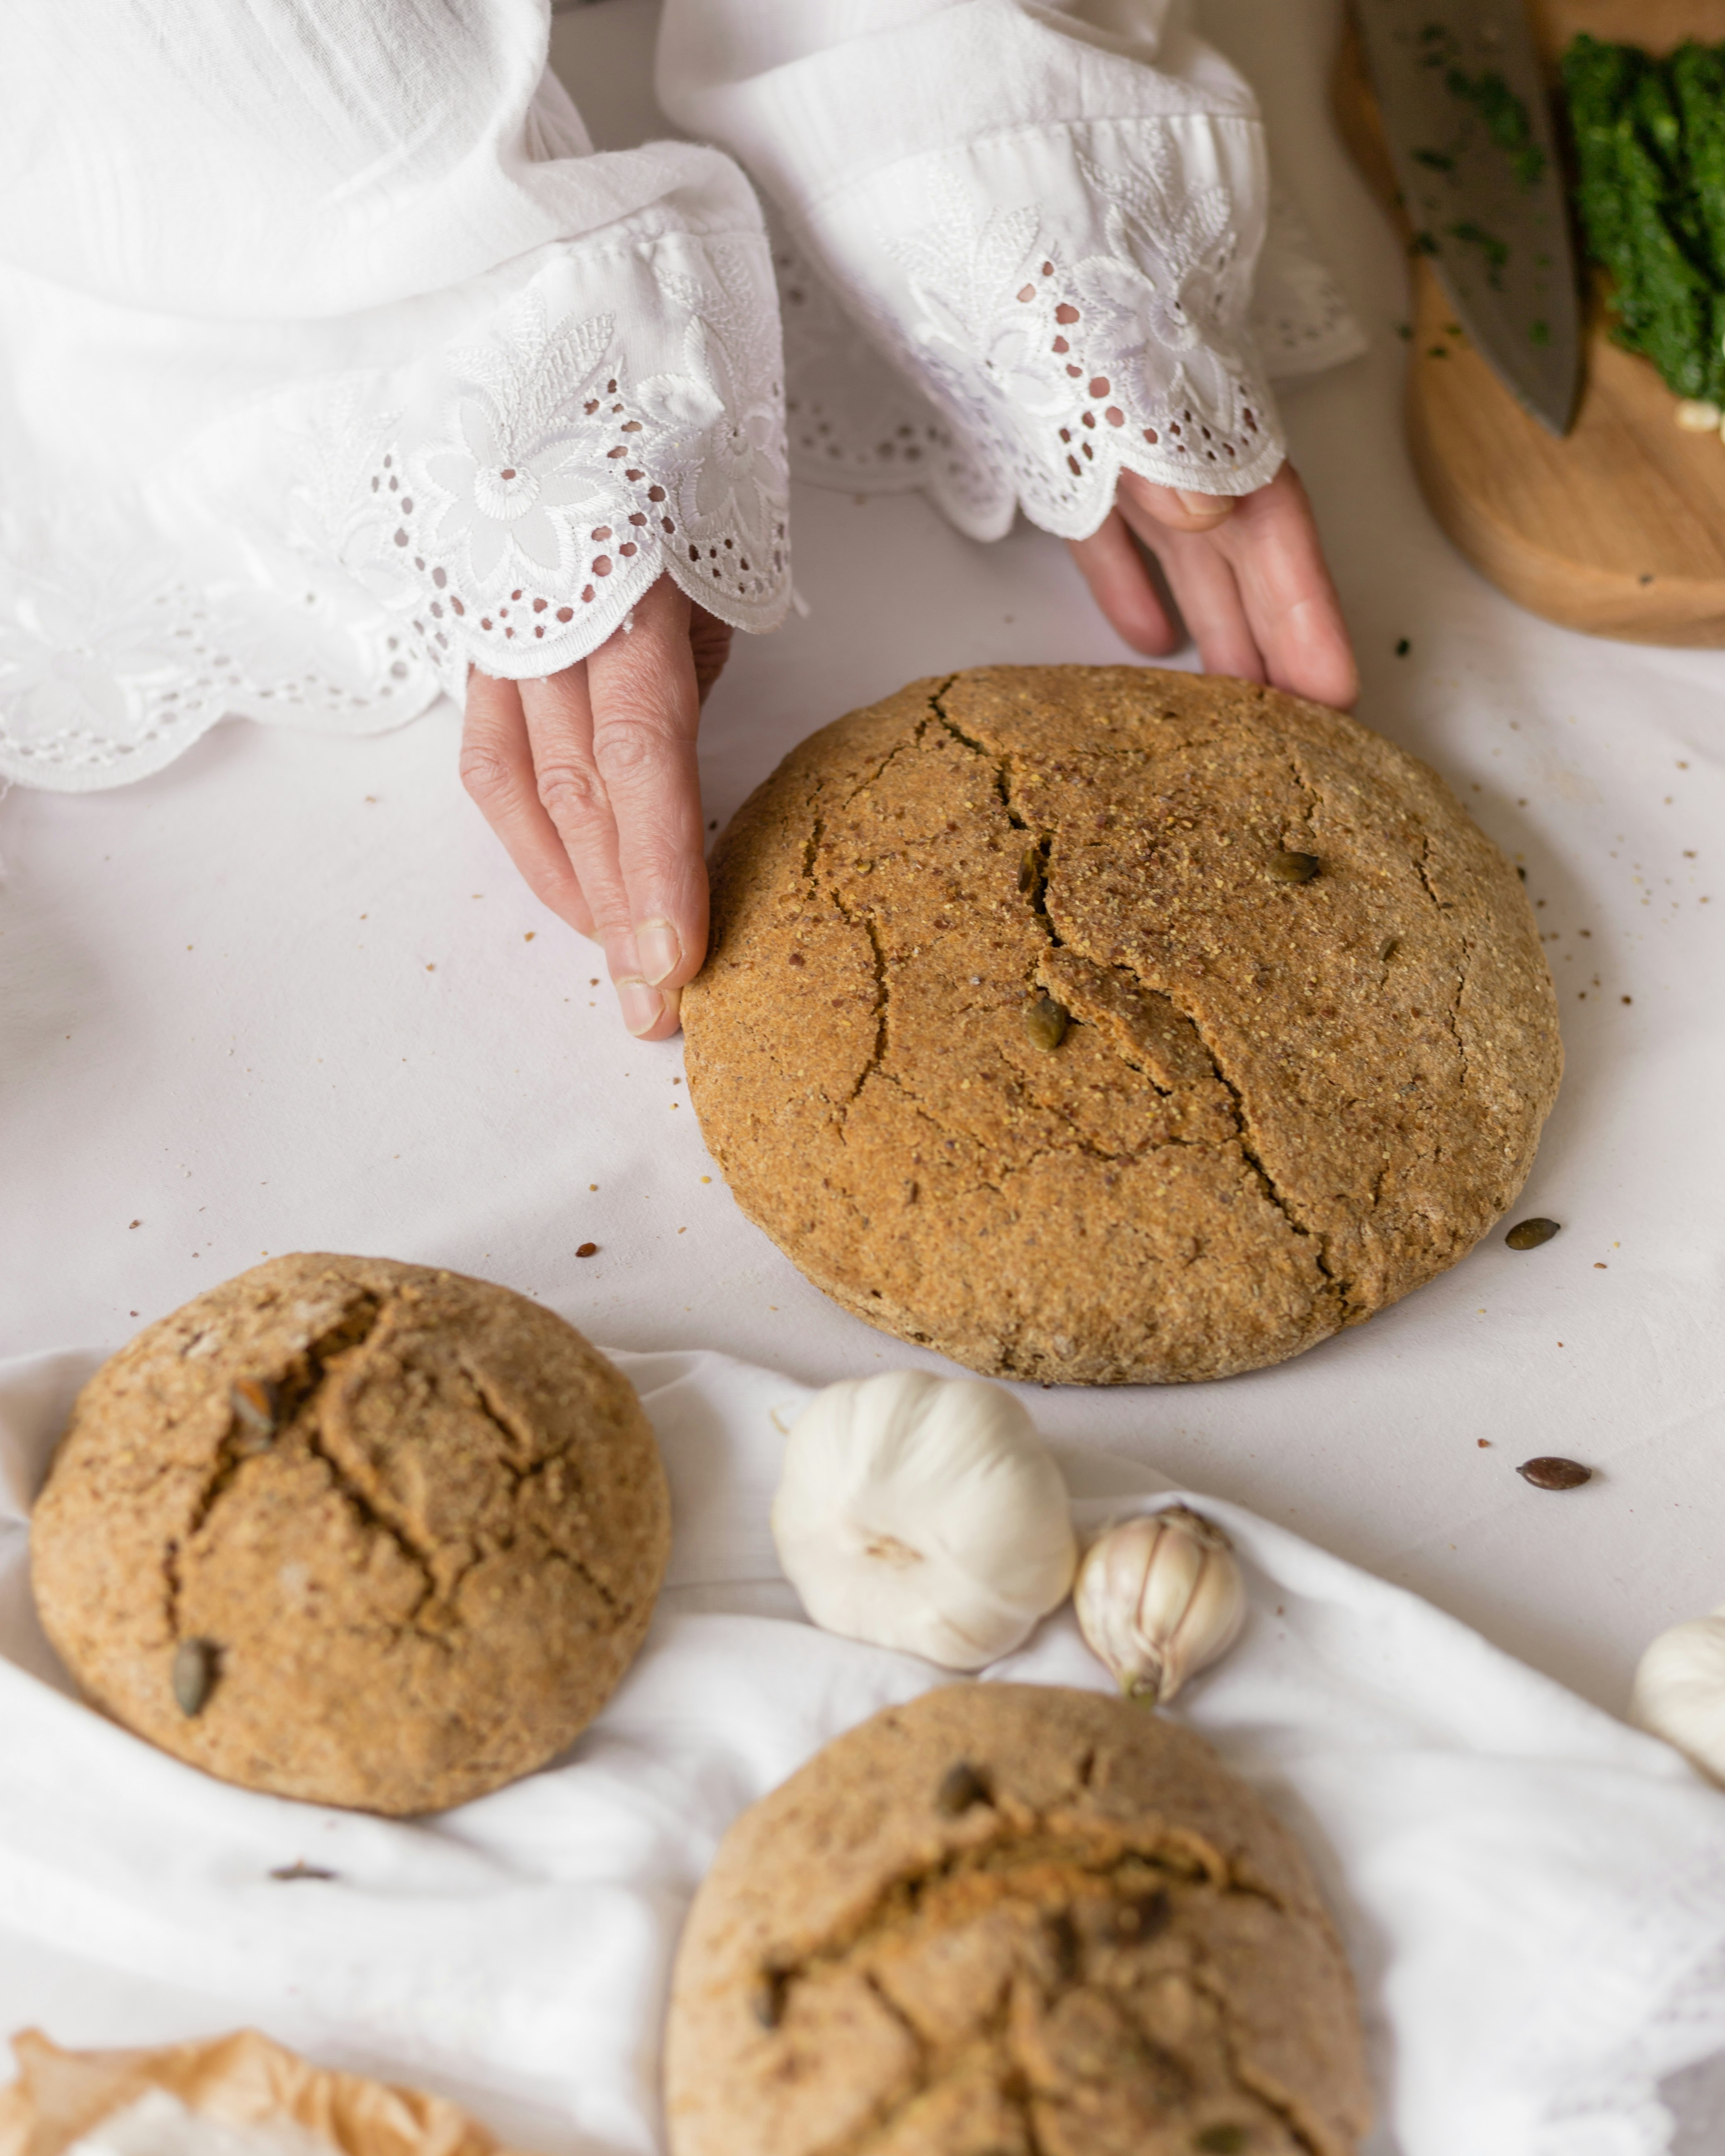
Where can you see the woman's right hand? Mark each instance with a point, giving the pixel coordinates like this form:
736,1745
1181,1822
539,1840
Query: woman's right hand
1246,572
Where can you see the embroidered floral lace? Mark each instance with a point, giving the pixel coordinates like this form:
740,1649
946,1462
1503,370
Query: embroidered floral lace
1037,416
503,504
340,554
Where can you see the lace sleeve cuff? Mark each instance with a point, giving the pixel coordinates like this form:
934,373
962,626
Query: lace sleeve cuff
511,498
336,550
1072,301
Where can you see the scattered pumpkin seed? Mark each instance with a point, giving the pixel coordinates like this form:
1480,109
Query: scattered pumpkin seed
767,1999
1529,1234
961,1787
300,1870
1065,1945
1142,1917
194,1674
1045,1023
1549,1472
1293,868
256,1402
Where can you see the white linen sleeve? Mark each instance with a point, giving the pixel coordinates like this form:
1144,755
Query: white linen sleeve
338,362
1045,212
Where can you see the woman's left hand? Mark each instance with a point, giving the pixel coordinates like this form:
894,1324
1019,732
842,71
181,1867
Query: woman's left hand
589,779
1247,572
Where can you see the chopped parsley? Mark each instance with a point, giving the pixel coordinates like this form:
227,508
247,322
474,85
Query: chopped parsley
1649,150
1495,251
1506,117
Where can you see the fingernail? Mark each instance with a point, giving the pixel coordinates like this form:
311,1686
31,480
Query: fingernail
660,949
1204,504
641,1006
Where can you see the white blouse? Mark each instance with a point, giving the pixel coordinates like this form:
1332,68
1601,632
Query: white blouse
338,360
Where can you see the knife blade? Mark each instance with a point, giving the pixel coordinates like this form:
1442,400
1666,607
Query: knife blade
1467,112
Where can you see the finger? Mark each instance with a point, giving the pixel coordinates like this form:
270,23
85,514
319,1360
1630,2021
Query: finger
1177,508
1288,595
497,768
1203,580
646,710
558,711
710,640
1120,584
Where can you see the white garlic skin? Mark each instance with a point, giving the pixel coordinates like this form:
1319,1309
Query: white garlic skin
1679,1691
1160,1598
923,1513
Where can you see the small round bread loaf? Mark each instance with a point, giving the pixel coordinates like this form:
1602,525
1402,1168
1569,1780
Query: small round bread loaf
361,1533
1008,1920
1106,1025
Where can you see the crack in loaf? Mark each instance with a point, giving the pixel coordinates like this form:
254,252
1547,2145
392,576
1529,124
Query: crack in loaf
1117,1026
1011,1920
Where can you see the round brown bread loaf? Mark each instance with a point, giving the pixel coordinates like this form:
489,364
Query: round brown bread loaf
1012,1921
356,1532
1108,1026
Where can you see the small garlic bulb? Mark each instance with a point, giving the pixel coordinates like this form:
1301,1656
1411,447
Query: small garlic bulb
1159,1598
923,1513
1679,1691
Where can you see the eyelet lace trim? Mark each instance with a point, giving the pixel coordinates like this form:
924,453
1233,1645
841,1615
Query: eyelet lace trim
109,672
519,496
504,505
518,534
1049,354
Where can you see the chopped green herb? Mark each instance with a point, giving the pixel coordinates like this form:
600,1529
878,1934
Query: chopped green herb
1437,351
1539,333
1404,330
1402,647
1649,149
1422,243
1495,251
1506,117
1440,45
1440,160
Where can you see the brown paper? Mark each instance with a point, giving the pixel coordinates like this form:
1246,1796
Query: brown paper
242,2080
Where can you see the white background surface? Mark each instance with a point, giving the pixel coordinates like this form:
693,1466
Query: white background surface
283,996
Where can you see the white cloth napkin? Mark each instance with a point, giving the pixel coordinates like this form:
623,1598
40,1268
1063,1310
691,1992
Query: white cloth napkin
1533,1895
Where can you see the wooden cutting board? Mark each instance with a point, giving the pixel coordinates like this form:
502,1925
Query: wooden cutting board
1619,529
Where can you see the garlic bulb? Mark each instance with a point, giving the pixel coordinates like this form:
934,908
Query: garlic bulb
923,1513
1159,1598
1679,1691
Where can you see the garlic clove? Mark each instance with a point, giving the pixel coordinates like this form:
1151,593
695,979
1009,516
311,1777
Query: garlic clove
1158,1597
923,1513
1679,1691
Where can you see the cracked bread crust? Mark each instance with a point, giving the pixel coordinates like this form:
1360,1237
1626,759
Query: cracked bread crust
1279,1105
1008,1920
413,1524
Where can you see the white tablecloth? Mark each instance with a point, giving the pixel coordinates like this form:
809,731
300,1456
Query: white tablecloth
1531,1896
289,994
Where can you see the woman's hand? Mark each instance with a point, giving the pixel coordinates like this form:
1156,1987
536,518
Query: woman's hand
1247,573
588,777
